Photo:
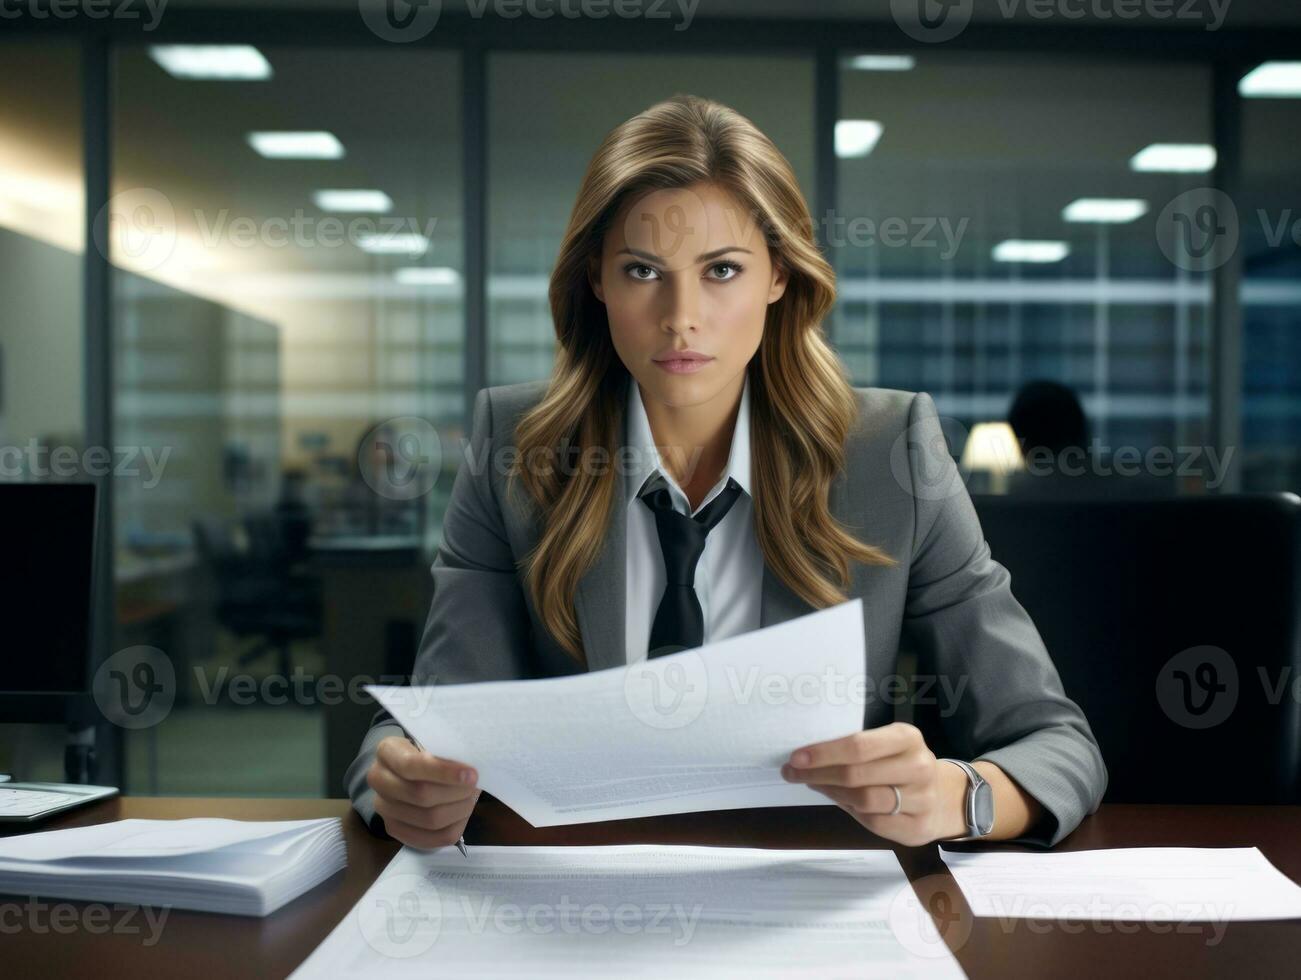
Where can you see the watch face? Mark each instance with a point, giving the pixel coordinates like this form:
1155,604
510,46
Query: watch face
982,808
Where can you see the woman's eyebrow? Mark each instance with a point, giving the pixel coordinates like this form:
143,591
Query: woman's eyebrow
704,257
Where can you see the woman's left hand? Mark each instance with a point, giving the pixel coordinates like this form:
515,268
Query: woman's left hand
858,771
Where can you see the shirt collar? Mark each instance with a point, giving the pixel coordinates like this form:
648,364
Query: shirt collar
647,460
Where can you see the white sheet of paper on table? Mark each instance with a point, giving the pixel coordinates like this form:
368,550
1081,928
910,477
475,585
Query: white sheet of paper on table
636,910
703,729
1151,884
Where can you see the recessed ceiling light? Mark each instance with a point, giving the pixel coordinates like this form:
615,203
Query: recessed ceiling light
1272,80
353,200
297,145
395,244
421,276
1174,158
857,137
1018,250
226,62
882,62
1105,210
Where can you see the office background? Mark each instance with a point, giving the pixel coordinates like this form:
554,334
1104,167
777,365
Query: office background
252,360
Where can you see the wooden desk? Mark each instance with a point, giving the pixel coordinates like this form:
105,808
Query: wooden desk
194,944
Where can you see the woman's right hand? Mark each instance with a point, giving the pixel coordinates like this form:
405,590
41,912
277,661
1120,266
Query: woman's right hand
423,799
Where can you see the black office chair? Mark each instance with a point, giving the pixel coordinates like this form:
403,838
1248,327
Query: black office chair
1176,626
258,592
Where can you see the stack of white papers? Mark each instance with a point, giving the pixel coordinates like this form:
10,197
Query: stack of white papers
636,910
1146,884
703,729
242,867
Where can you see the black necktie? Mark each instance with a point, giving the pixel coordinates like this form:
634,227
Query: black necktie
679,623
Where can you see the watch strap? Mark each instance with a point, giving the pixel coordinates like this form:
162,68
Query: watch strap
974,780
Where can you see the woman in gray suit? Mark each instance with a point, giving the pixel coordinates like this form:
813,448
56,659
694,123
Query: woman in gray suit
698,466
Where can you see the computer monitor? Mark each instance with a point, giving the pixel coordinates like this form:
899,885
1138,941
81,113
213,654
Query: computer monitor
47,547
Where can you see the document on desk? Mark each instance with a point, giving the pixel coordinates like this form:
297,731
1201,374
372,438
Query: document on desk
636,910
703,729
240,867
1152,884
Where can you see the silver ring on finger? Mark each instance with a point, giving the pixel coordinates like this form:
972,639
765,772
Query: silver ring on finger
898,802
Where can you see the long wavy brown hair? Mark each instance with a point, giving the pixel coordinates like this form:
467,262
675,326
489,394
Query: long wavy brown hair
802,404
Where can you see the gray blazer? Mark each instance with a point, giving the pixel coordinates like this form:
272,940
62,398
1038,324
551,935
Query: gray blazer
900,490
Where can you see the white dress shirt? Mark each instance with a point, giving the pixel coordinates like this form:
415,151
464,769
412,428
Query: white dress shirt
729,576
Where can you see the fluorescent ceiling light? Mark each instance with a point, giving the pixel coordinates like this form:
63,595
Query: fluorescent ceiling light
227,62
1174,158
857,137
1017,250
882,62
1105,210
354,200
421,276
396,244
1272,80
297,146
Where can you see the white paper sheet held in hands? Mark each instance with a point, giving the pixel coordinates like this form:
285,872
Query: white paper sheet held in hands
637,910
1147,884
703,729
243,867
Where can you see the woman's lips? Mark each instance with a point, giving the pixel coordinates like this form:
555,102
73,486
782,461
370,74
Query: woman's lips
685,365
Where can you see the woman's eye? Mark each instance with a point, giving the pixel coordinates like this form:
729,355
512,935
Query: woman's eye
647,273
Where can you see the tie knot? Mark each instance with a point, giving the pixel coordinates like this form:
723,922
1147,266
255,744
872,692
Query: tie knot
682,538
655,494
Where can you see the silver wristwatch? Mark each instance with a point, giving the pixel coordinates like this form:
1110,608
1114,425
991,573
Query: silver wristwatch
979,806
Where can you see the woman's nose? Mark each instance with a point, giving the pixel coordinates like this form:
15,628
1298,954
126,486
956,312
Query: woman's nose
682,299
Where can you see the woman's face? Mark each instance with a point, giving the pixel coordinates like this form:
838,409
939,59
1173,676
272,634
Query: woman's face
686,271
